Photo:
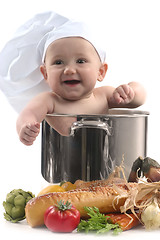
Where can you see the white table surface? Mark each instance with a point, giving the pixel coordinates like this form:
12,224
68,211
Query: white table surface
24,231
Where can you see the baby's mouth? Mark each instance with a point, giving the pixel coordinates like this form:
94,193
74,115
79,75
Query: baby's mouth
72,82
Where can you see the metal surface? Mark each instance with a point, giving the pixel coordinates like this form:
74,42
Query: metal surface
96,145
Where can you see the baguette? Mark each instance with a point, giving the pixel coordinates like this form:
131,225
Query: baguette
100,197
114,178
99,183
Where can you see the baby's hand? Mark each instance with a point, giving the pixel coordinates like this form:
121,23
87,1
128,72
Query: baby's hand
123,94
29,132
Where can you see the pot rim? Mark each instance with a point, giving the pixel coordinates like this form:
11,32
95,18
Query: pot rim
125,113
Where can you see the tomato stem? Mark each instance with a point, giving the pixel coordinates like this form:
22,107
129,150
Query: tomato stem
62,206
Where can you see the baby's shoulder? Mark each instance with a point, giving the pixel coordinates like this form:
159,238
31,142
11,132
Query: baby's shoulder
48,95
47,98
104,90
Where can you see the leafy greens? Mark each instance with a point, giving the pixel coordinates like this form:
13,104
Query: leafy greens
97,222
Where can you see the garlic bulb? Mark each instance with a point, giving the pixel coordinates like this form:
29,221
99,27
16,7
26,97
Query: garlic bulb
151,216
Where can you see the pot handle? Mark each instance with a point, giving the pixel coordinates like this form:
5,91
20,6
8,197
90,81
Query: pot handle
91,123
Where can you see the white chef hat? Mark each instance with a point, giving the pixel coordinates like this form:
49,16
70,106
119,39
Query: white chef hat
20,76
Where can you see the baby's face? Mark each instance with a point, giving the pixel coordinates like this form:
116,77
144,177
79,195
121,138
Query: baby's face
72,67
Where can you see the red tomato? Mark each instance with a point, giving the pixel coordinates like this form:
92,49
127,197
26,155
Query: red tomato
62,217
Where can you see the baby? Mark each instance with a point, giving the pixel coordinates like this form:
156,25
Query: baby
71,68
71,65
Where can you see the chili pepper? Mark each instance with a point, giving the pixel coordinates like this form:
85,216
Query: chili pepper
125,222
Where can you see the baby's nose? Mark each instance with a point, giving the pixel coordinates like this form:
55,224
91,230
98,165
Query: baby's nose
69,70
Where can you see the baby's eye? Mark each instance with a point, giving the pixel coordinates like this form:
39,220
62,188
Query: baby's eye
81,60
58,62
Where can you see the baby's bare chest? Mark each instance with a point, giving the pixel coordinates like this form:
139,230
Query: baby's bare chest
94,106
62,124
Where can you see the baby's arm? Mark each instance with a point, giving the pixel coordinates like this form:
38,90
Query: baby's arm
129,95
28,122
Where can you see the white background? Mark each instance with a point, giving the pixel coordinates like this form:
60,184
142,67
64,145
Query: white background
130,32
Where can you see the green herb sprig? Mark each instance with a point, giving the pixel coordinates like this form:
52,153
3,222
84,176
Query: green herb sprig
97,222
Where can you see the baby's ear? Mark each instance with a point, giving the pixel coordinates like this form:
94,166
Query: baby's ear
43,71
102,71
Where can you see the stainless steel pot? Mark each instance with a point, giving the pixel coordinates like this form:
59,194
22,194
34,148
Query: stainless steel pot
96,145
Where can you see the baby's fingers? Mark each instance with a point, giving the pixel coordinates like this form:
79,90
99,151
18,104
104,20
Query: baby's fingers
33,127
27,140
29,133
123,91
116,97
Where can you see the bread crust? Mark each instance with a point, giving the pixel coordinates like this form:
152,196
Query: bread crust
99,183
101,197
